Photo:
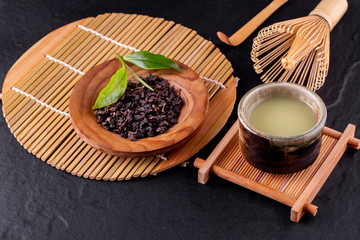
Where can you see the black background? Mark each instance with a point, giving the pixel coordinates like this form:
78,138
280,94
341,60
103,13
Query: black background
40,202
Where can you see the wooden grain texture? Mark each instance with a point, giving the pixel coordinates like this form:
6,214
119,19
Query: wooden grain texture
296,190
49,134
255,186
203,174
193,111
322,174
32,57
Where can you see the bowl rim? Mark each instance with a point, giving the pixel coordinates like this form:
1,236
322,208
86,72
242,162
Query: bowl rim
313,131
145,146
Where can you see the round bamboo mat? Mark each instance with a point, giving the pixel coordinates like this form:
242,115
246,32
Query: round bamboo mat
36,90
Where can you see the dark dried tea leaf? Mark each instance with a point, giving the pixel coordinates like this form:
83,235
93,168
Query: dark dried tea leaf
142,113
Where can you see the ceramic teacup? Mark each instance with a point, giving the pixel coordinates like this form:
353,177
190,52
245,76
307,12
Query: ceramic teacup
277,154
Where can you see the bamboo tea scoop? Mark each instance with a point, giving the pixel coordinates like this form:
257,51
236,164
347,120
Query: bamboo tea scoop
244,32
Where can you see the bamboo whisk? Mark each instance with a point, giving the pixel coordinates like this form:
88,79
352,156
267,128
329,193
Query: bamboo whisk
298,50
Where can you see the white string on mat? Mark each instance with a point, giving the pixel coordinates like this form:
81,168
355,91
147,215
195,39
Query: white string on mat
107,39
65,64
39,101
137,50
213,81
162,157
183,164
82,73
237,80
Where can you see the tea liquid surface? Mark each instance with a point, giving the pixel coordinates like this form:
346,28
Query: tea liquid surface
282,116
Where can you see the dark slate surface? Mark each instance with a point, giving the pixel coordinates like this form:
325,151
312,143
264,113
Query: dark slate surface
40,202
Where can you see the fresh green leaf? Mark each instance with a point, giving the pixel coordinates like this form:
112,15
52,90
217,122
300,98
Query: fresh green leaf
114,89
118,82
132,72
147,60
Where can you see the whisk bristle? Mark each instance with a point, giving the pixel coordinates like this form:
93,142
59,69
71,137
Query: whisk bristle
293,51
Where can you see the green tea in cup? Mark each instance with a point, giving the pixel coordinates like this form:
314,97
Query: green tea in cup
282,116
280,127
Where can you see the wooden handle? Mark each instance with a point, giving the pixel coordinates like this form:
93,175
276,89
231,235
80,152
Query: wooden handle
331,10
244,32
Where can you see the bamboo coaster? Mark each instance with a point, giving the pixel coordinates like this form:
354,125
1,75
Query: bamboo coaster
296,190
36,90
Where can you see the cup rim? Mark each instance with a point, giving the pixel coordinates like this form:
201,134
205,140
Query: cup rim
315,129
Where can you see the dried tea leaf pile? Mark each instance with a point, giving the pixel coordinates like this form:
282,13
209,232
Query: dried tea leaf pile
140,112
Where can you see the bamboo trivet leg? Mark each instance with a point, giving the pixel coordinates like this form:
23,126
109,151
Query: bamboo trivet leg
203,174
323,173
310,172
255,186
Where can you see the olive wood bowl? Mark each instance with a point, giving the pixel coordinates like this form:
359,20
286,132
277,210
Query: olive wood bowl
195,106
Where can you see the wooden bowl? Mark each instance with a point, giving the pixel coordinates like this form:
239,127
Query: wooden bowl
195,105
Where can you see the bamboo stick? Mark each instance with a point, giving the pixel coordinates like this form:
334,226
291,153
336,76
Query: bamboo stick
70,155
95,168
320,177
255,186
70,165
150,167
24,66
83,161
143,166
71,137
127,164
310,172
120,163
105,169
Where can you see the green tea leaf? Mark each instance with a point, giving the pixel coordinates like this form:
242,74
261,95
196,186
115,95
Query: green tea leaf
147,60
114,89
136,76
139,79
118,82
